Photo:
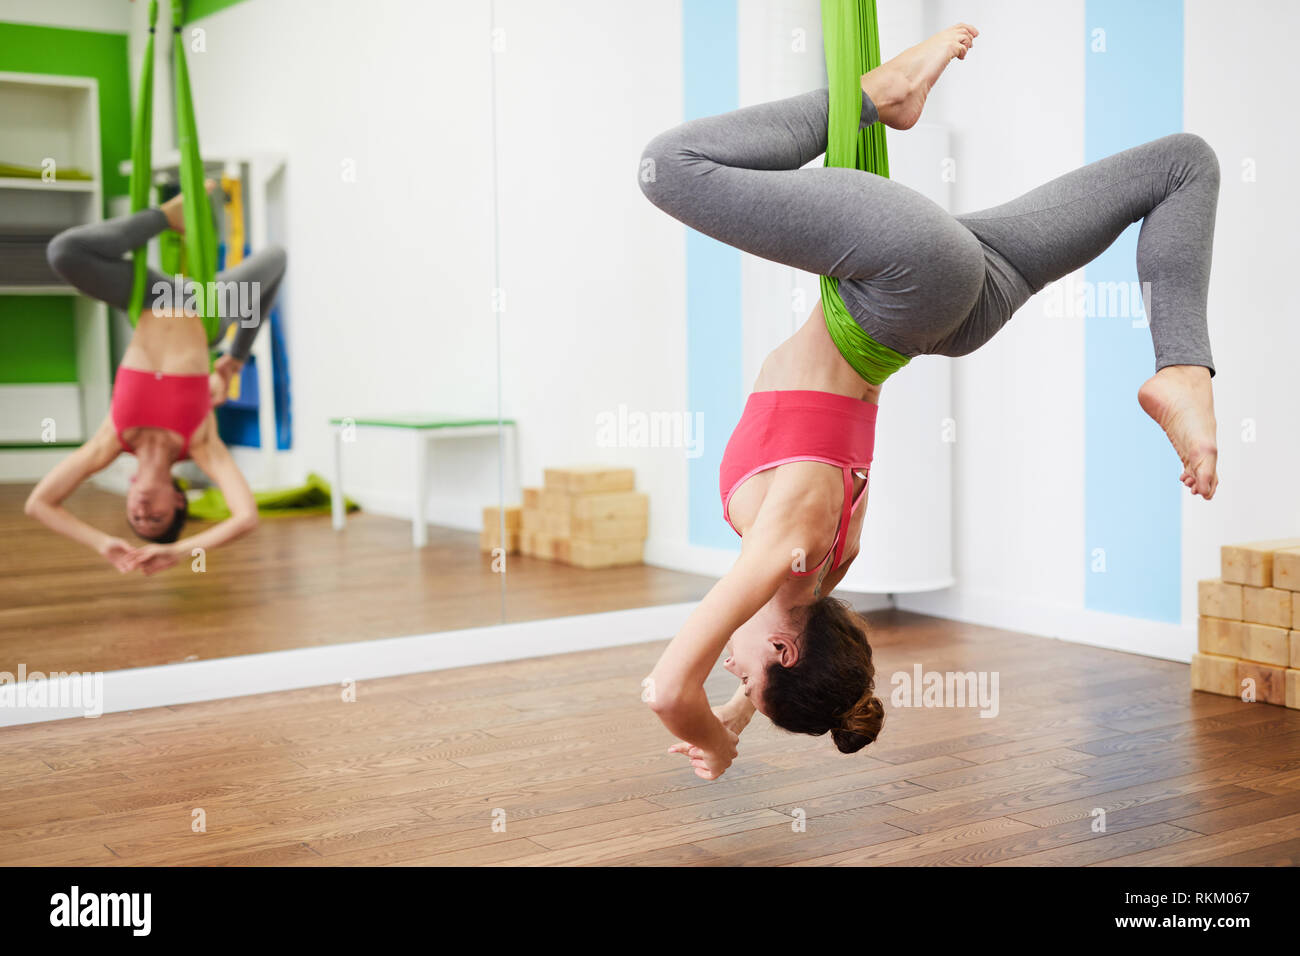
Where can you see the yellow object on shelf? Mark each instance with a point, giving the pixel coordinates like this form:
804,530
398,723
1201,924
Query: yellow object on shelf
233,189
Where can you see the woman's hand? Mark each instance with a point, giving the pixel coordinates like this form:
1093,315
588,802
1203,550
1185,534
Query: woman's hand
223,371
153,558
712,762
118,553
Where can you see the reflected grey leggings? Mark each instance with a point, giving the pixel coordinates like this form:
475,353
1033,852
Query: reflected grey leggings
922,281
90,257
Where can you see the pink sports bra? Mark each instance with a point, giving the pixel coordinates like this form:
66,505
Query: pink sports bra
177,403
801,425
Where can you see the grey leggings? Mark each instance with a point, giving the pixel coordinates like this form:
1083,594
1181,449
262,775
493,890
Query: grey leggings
90,257
916,278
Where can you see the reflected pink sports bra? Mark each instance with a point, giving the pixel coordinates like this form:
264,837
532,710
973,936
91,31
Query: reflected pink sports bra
178,403
802,425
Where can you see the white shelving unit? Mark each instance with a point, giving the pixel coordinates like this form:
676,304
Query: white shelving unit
260,174
55,118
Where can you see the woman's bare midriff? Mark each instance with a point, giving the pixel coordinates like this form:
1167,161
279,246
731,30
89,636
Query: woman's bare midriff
167,343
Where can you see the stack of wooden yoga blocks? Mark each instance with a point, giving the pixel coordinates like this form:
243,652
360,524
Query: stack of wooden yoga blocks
1249,624
587,517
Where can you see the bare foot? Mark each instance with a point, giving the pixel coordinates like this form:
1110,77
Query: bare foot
899,87
174,210
1181,401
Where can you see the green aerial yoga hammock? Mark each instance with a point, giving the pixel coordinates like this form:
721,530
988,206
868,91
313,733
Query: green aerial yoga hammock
311,498
200,241
852,41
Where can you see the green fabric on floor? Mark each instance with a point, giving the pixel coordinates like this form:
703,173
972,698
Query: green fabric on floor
312,498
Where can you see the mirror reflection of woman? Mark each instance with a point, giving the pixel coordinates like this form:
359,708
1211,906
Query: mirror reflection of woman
163,396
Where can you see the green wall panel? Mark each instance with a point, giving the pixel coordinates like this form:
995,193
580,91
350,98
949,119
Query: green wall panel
39,332
194,9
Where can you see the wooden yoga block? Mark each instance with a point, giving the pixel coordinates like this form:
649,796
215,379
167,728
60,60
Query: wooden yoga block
1265,645
1266,606
585,553
1214,674
1252,563
533,519
1295,648
489,540
605,507
604,529
492,518
1270,682
532,497
537,545
1286,569
1214,635
1217,598
597,506
591,479
558,523
1293,689
556,502
594,529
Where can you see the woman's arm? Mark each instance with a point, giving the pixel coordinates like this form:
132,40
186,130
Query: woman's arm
676,685
215,459
45,503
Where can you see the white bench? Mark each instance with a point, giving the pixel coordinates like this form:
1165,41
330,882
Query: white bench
423,429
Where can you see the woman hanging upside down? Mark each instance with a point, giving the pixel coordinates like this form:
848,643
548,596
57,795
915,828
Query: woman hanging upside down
162,396
915,280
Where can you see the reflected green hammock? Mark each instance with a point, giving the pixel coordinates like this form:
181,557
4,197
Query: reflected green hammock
851,39
200,240
312,498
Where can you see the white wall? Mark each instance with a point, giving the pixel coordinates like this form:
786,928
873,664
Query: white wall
1019,455
1016,108
105,16
1236,95
593,272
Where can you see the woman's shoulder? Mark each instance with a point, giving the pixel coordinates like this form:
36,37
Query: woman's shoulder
206,438
102,447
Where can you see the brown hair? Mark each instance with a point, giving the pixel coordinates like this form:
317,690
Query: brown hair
832,685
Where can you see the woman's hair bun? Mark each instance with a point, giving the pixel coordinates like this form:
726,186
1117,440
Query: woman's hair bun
861,725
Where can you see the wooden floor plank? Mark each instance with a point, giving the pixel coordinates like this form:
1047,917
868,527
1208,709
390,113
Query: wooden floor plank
294,583
560,749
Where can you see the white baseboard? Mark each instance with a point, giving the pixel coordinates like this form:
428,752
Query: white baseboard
183,683
1173,642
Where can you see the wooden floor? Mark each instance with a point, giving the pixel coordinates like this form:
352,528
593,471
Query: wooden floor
562,751
295,582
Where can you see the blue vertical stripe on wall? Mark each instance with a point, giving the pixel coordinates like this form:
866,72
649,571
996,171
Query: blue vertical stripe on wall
1133,504
711,84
